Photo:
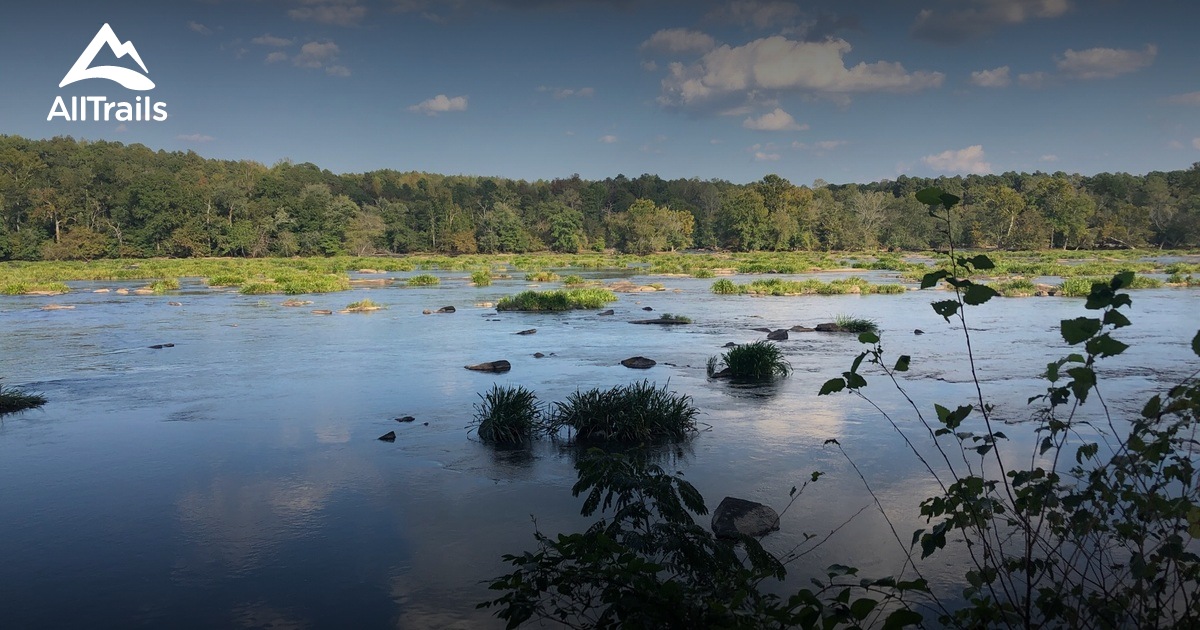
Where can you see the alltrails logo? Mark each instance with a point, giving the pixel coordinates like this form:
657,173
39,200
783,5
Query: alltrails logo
99,107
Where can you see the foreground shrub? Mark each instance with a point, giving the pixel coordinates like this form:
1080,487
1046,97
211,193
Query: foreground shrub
13,400
481,279
557,300
758,361
507,415
627,414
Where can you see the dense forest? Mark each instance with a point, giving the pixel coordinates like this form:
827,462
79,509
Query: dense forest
72,199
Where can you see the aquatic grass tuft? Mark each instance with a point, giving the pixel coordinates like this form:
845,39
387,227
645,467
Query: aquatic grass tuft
423,280
573,280
671,317
638,413
165,284
507,415
557,300
364,305
725,286
849,323
703,273
755,362
481,278
13,400
541,276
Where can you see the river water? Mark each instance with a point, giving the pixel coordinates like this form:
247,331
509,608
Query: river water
235,479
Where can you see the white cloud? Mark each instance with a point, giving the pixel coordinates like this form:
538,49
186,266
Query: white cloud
316,54
1196,143
650,66
760,156
997,77
1049,157
1105,63
337,12
981,17
779,63
197,27
121,128
337,71
561,93
270,40
777,120
829,145
1175,144
608,139
194,137
968,160
679,40
276,56
1033,79
440,104
1191,98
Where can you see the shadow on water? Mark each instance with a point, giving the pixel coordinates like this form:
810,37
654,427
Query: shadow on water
752,390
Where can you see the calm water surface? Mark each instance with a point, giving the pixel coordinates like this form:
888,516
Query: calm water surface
235,480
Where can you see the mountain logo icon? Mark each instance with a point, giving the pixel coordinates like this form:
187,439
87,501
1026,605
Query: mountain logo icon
130,79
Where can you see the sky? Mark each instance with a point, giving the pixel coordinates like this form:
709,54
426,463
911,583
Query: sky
843,91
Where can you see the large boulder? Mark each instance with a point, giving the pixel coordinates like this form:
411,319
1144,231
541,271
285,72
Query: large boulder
778,335
735,517
445,309
639,363
491,366
828,327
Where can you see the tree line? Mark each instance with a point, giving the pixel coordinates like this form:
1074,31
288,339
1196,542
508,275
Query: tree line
74,199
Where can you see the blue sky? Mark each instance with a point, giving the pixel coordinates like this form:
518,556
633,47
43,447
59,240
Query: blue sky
536,89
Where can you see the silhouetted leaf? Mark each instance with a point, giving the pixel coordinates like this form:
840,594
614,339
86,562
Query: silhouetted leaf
1084,380
1115,319
902,363
978,294
946,308
932,278
868,337
982,262
1105,346
1196,343
1122,280
1079,329
831,386
930,196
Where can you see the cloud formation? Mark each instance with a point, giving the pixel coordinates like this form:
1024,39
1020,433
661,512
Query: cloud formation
1104,63
777,63
440,104
1191,98
777,120
272,41
561,93
316,54
1196,143
968,160
997,77
982,17
608,139
194,137
197,27
679,41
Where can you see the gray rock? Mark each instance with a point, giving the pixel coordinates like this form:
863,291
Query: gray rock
766,330
738,516
605,313
491,366
405,419
661,322
918,332
730,345
446,309
538,355
802,329
638,363
828,327
531,331
390,436
778,335
647,308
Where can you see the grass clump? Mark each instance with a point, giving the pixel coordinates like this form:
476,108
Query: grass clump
558,300
313,283
13,400
259,287
573,280
849,323
703,273
725,286
542,276
481,278
423,280
758,361
1082,286
1018,287
507,415
1179,279
164,285
225,280
364,305
670,317
22,288
626,414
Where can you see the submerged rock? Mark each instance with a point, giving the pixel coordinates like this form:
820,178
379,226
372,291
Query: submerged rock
390,436
647,308
829,327
778,335
405,419
491,366
57,307
427,312
729,345
160,346
660,321
799,328
446,309
604,313
735,517
174,303
538,355
531,331
639,363
761,329
918,332
322,311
